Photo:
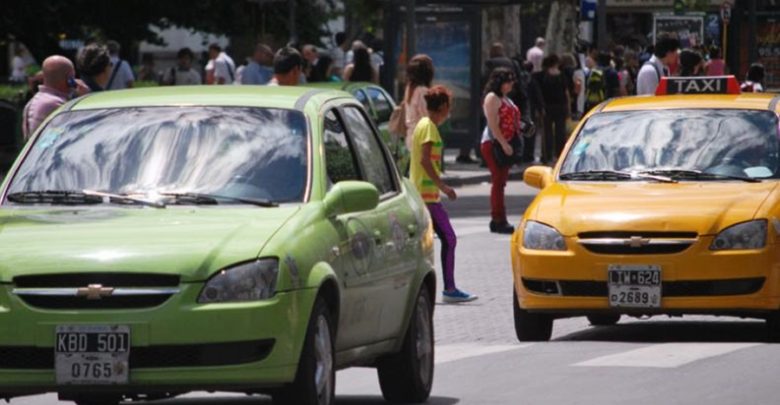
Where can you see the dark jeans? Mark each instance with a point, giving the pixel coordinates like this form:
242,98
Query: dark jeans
554,132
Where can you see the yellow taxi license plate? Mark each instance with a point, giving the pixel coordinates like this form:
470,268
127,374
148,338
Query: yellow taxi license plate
634,285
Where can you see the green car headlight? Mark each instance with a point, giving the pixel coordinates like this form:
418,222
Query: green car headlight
250,281
747,235
539,236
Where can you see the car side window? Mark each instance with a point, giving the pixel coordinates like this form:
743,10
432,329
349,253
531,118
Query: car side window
369,150
340,160
382,105
360,95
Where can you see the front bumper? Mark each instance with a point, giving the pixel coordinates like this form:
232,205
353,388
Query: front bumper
177,346
696,280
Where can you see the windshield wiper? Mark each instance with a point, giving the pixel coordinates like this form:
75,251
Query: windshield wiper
697,174
213,199
123,199
614,175
65,197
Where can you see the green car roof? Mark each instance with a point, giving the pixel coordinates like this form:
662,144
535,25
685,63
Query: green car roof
287,97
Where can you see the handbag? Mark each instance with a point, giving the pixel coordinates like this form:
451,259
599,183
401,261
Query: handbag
397,123
504,160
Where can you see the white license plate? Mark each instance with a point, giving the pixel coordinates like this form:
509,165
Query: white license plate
634,286
92,354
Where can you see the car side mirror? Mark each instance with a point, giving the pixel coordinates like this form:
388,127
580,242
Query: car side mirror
538,176
350,196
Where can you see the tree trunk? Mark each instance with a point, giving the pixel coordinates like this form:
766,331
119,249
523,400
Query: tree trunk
561,34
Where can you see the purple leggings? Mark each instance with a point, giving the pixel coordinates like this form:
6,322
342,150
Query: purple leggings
443,229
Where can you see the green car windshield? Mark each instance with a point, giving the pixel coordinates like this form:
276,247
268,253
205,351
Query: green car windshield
681,144
237,152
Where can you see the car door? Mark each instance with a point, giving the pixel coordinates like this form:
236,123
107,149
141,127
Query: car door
354,252
394,225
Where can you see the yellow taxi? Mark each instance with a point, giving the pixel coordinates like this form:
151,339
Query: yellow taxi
658,205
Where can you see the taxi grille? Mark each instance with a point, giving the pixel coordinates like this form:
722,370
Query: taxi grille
70,291
636,242
697,288
77,280
164,356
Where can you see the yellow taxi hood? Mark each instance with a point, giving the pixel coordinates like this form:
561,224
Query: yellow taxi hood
702,207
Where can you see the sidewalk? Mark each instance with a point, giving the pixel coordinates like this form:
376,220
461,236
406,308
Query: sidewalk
461,174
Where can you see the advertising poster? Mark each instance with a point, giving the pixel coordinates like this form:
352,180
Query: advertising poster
689,29
768,44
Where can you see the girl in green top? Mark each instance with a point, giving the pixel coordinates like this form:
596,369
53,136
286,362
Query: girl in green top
425,173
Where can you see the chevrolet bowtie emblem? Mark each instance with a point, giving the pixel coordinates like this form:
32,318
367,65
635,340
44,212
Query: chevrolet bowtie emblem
637,241
95,292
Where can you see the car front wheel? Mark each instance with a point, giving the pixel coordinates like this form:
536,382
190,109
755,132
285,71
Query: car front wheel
315,381
530,327
407,376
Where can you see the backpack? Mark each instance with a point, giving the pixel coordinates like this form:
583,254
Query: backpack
747,87
595,87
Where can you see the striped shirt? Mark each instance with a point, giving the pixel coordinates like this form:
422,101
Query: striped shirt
426,132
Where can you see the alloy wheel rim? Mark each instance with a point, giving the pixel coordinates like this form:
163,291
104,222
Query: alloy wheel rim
424,341
323,354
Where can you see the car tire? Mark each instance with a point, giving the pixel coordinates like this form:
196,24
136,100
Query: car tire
773,327
531,327
315,380
604,319
407,376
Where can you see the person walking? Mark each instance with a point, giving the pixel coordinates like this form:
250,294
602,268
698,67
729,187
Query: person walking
691,63
556,108
259,70
755,79
715,66
425,173
182,74
122,74
339,53
223,66
94,64
288,65
602,82
360,70
503,120
59,84
419,76
650,74
536,54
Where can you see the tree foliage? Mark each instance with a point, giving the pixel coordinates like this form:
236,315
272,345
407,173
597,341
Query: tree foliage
41,24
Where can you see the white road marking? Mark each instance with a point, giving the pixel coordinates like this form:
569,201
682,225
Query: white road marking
460,351
667,355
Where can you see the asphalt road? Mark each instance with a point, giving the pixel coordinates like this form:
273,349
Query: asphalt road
656,361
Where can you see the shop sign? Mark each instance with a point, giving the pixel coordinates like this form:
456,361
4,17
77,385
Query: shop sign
689,29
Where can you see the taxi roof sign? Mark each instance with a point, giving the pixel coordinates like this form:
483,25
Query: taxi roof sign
698,85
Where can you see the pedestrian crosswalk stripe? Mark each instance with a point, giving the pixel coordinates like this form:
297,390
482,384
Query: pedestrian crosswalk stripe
460,351
667,355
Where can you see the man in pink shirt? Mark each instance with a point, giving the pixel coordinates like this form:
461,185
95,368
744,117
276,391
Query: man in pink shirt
58,83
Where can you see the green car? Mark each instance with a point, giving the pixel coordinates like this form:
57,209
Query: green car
379,104
232,238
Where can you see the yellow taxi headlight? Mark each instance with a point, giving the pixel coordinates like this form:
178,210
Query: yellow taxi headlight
745,235
539,236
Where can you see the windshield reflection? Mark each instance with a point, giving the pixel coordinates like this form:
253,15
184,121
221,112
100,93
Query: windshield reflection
724,142
255,153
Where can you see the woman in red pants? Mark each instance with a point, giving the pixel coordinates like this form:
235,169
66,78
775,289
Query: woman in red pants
503,120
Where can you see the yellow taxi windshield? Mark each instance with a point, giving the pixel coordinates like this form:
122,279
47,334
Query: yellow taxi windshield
720,142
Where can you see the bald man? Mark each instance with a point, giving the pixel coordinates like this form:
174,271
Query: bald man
58,84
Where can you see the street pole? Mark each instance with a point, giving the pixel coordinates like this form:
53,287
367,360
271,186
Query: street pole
410,39
601,20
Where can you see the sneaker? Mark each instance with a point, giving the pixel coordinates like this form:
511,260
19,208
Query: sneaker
457,296
501,227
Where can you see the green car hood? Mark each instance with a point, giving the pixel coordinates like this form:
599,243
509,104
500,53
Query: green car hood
192,242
